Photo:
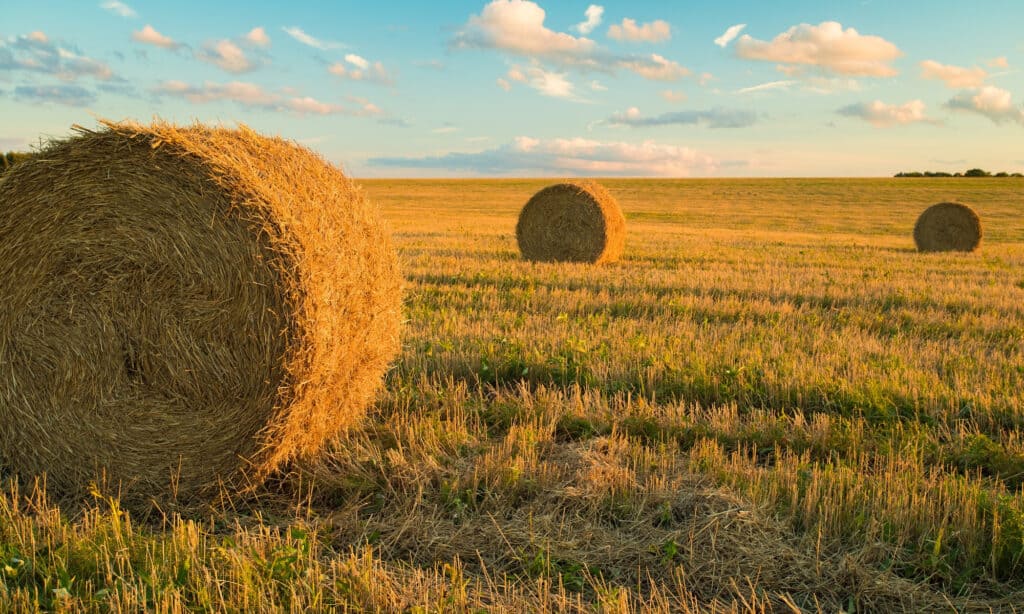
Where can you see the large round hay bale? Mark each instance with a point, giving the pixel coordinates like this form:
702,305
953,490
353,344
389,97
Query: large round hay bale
576,221
184,309
948,227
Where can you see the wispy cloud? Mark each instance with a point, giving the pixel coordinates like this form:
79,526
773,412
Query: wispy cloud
652,32
226,55
731,33
395,122
230,54
593,19
150,36
547,82
365,108
311,41
882,115
305,104
357,61
656,68
431,64
254,96
673,96
35,52
65,94
561,157
119,8
358,68
827,46
245,94
120,88
955,77
817,85
712,118
765,87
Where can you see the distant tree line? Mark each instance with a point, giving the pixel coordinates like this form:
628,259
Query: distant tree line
974,172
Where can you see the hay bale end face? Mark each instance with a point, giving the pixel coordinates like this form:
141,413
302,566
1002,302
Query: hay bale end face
948,227
185,309
576,221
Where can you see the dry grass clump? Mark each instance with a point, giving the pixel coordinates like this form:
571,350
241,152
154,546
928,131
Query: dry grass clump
576,221
608,513
947,227
185,309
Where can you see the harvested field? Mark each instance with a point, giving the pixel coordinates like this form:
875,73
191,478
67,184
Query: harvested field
771,402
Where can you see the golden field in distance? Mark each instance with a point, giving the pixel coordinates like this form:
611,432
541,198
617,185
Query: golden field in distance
771,402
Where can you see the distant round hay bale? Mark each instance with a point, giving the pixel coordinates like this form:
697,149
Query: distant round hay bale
948,227
576,221
184,309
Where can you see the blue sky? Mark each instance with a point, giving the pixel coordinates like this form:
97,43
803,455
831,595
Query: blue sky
520,88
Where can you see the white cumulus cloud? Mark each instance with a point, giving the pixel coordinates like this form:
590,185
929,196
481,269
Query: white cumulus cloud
226,55
357,61
547,82
258,37
593,19
992,102
149,35
828,46
516,27
550,83
358,68
652,32
880,114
